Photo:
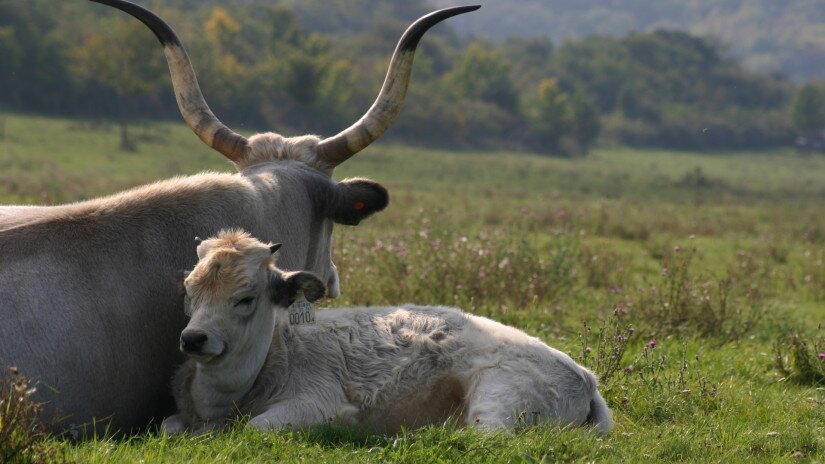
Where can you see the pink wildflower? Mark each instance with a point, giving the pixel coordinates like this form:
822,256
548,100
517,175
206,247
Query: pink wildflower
651,343
621,310
821,356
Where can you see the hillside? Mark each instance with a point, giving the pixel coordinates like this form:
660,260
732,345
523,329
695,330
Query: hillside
768,35
310,66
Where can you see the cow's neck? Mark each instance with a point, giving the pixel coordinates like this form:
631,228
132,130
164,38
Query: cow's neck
273,376
218,390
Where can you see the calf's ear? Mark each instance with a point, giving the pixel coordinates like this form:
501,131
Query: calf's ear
356,199
180,278
284,287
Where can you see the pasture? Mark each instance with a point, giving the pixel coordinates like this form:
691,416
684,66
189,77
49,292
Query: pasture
681,279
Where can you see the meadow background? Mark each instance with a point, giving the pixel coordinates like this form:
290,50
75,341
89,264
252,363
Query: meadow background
683,279
616,178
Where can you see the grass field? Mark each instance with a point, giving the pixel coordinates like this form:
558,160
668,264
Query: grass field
676,277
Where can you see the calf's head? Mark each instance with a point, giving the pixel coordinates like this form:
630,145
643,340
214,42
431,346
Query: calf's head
237,296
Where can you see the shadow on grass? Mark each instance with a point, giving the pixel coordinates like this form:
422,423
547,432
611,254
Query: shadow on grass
335,435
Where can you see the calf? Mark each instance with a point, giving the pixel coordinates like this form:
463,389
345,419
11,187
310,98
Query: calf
381,368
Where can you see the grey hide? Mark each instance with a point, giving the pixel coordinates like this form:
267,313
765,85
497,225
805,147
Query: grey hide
90,293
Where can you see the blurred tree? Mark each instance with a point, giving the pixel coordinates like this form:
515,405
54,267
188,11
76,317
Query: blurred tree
484,73
284,29
222,31
585,125
33,72
231,67
597,65
548,110
531,59
12,56
301,66
808,109
127,62
636,102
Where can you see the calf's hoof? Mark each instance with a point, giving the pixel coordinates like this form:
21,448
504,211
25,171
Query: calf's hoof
173,425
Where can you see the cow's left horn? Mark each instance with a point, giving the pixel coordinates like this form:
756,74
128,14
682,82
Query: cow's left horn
192,105
339,148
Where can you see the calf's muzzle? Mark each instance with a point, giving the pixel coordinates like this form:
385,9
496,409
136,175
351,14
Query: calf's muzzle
192,341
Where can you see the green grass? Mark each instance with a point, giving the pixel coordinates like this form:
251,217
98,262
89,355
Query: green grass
544,244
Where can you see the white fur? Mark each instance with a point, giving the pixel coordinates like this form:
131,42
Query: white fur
380,367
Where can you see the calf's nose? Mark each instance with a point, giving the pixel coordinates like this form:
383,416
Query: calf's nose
191,341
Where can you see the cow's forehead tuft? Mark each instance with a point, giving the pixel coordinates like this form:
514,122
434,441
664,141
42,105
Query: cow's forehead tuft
230,262
237,239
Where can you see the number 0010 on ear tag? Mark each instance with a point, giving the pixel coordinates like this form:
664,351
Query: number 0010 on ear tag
301,312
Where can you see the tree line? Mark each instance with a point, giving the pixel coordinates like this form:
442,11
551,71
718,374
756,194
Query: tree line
261,68
766,34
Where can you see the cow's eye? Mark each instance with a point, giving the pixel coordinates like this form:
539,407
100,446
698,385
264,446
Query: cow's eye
244,302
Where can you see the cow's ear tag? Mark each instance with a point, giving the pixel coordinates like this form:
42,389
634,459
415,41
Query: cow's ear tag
301,311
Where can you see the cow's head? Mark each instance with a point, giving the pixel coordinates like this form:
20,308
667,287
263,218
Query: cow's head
237,297
346,202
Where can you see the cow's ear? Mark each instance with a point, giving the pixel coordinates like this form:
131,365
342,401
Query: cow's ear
284,287
356,199
180,278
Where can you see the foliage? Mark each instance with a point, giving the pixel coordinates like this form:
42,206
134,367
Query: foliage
485,75
801,359
808,109
726,308
767,35
23,430
668,88
129,65
298,67
611,343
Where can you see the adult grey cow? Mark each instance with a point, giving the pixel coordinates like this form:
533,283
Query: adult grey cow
90,295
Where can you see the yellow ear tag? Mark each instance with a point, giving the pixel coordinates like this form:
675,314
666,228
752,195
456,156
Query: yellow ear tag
301,312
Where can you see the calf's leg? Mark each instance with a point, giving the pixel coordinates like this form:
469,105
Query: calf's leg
504,398
296,413
173,425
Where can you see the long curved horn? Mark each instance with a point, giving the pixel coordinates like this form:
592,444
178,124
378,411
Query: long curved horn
192,106
339,148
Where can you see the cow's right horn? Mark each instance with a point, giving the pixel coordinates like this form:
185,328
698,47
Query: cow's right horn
337,149
192,106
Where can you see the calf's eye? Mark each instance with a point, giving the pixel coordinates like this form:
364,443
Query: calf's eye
245,301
